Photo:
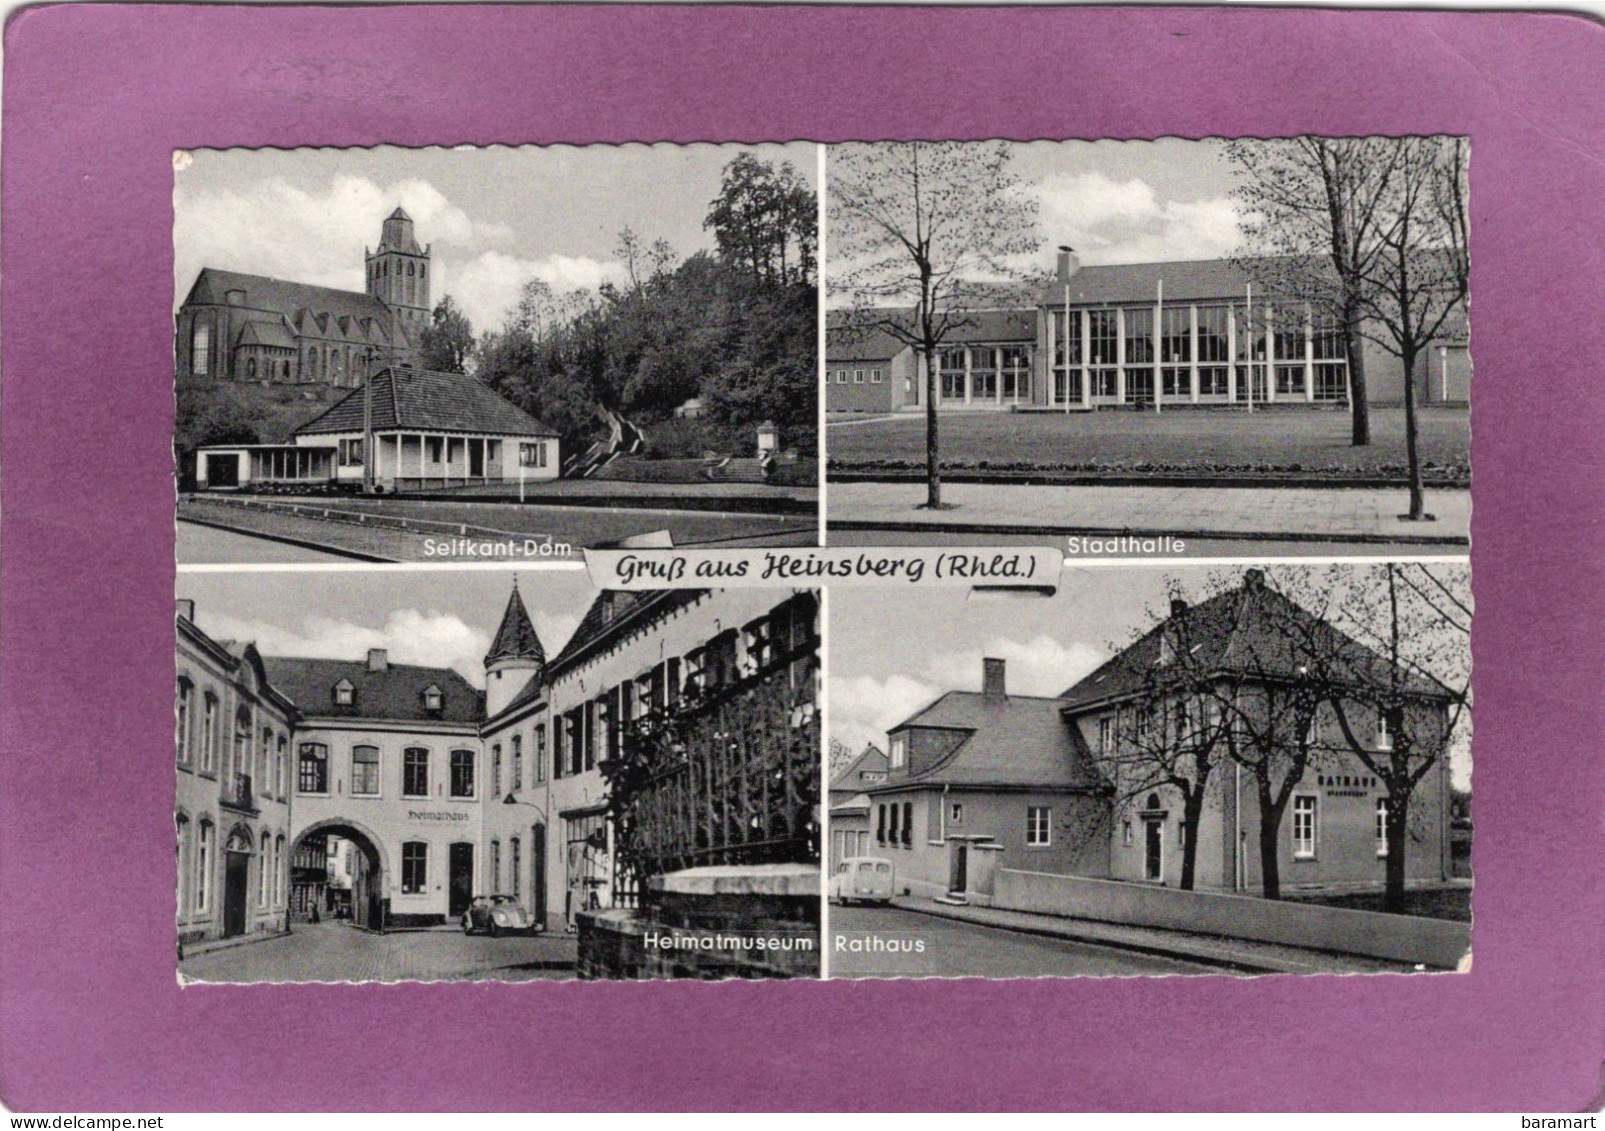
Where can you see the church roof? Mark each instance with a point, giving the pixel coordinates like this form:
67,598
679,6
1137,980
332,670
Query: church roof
516,638
400,214
279,296
429,401
264,333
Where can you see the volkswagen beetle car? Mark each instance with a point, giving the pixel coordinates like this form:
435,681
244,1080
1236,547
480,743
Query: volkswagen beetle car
863,879
495,915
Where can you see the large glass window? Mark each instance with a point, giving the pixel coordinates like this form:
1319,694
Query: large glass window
1176,335
462,773
415,772
1014,370
983,373
951,365
414,867
1290,333
1102,337
313,773
364,771
201,349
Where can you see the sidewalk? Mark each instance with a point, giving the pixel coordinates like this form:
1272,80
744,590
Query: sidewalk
1237,955
1249,513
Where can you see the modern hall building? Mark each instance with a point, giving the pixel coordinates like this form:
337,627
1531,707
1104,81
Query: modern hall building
1190,334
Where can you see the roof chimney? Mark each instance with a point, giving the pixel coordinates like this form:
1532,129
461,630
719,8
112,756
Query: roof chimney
1253,579
378,660
1177,606
186,609
992,682
1069,263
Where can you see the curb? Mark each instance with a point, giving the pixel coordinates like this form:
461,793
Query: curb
904,527
1093,479
1071,935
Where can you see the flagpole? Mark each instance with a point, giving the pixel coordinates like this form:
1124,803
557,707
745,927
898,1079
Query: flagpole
1159,346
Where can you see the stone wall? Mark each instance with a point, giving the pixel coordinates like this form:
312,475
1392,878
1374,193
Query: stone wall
760,921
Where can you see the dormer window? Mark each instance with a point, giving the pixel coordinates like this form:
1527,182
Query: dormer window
345,695
899,750
432,698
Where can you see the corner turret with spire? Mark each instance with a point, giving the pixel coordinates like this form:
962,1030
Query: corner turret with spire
515,659
398,273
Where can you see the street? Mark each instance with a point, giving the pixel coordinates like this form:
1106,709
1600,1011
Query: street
339,952
885,942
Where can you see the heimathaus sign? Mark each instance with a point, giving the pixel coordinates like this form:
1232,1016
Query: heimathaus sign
435,815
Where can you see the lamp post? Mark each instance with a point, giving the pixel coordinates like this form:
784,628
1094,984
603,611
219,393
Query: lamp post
537,865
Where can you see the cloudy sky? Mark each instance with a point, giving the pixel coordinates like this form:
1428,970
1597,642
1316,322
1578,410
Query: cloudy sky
894,652
1129,201
497,217
434,618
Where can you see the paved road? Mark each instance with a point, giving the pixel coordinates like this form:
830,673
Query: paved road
208,544
953,949
338,952
1188,548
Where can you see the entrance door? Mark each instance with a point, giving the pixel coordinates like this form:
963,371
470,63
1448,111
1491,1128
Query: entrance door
476,458
222,470
1153,868
461,884
236,885
537,867
958,867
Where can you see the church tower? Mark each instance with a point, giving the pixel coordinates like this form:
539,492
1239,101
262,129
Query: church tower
515,659
398,275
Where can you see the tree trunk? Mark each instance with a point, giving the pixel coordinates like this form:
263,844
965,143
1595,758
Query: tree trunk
1397,828
1192,811
1270,866
933,469
1418,500
1359,398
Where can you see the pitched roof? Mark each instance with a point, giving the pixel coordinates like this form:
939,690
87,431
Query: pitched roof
429,401
844,343
395,693
259,332
516,638
872,760
1014,740
613,610
1251,630
280,296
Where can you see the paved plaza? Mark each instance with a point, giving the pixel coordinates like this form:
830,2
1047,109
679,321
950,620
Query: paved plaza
340,952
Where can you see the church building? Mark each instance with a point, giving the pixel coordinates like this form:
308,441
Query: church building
239,327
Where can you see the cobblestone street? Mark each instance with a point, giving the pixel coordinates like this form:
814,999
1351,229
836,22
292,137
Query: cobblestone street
339,952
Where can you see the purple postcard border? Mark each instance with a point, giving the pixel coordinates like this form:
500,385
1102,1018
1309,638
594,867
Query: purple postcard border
95,100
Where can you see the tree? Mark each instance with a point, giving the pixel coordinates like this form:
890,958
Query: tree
447,343
1418,618
1311,210
921,223
765,221
1421,276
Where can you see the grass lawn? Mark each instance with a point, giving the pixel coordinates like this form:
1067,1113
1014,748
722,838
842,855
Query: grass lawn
1284,440
1449,903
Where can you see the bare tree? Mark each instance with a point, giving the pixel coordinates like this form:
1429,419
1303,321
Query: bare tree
921,224
1400,717
1312,212
1421,276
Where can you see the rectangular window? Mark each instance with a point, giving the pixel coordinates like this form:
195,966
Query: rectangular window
880,824
518,763
1289,334
496,770
516,863
203,868
899,750
957,814
874,376
495,866
1290,380
313,773
1213,380
1331,381
1038,826
908,824
1014,373
1106,736
1213,343
1102,337
891,828
350,453
434,449
841,376
858,376
983,373
951,364
414,772
1304,826
1139,335
209,735
365,771
181,723
462,773
540,752
532,455
1176,335
414,867
281,768
201,350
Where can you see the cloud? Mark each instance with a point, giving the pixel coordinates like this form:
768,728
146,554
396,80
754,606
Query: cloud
1111,221
861,708
274,228
412,636
1040,666
486,287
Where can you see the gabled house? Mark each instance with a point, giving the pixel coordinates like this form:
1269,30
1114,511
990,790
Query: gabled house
849,803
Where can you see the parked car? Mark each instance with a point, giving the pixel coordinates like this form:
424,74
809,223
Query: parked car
863,879
495,915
